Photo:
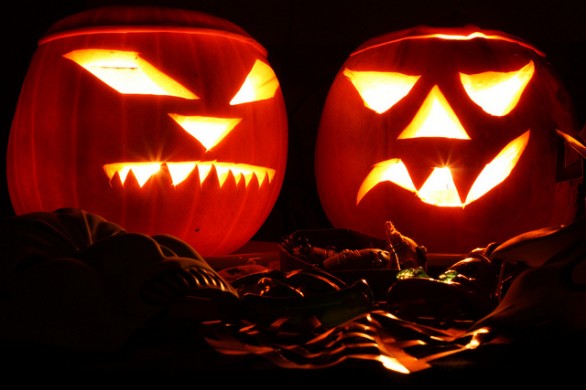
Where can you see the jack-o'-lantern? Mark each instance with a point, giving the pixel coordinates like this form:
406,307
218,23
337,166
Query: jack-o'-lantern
453,134
160,120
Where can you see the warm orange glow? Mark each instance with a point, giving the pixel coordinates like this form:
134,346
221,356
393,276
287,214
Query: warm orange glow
260,84
439,189
380,90
497,93
179,171
392,170
499,168
477,337
127,73
208,131
141,170
435,118
393,364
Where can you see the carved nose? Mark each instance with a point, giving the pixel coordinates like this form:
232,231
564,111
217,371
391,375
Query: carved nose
435,118
209,131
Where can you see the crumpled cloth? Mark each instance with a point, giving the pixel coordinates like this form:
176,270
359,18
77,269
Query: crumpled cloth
71,279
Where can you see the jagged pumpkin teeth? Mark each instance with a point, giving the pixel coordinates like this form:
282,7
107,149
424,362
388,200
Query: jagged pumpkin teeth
181,171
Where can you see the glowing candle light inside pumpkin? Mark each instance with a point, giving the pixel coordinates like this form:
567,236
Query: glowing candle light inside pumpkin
496,92
498,169
381,90
207,130
127,73
260,84
180,171
435,118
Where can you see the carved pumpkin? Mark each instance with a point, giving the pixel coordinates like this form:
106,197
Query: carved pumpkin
159,120
450,133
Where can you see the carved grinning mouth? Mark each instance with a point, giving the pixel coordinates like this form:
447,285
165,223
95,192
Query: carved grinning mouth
439,188
180,171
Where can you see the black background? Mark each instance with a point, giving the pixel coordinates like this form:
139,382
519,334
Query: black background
307,42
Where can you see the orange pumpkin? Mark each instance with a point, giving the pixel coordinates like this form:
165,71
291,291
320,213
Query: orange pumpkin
160,120
450,133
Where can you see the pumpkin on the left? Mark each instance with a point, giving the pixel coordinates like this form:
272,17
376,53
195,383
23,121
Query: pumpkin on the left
164,121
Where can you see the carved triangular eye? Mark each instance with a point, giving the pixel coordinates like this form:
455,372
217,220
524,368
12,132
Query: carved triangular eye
260,84
497,93
127,73
380,90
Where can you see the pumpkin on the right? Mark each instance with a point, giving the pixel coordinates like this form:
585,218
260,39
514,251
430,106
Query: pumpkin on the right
456,135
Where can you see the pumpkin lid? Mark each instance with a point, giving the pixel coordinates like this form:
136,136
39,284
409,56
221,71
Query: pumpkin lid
463,32
112,19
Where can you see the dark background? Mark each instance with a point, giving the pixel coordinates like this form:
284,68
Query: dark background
307,42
